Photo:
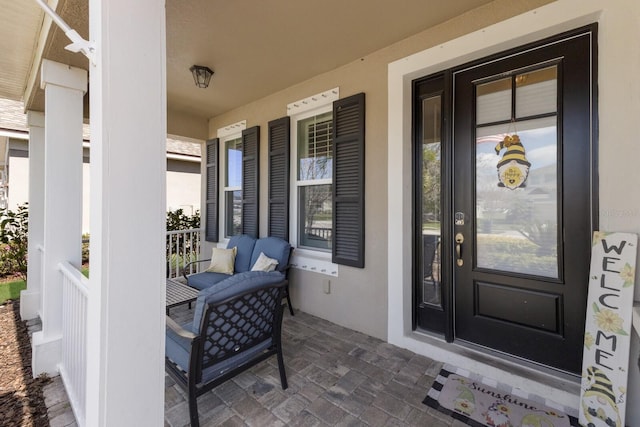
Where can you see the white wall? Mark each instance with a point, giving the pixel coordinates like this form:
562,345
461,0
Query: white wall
183,189
19,182
19,186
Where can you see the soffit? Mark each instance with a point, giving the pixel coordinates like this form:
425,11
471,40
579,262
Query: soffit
19,30
255,47
76,14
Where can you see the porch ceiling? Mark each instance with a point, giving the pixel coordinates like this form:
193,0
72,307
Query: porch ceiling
20,23
255,47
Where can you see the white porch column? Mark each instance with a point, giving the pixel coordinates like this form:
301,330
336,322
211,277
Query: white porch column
125,360
64,88
31,298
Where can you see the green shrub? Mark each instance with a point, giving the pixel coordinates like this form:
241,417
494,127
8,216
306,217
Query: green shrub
14,229
178,220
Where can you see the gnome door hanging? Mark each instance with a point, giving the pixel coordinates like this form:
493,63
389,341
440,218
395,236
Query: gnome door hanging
513,168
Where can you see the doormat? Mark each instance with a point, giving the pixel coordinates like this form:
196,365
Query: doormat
479,401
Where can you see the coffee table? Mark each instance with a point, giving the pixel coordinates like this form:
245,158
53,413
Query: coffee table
178,293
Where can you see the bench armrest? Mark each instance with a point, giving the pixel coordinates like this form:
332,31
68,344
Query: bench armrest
186,267
179,330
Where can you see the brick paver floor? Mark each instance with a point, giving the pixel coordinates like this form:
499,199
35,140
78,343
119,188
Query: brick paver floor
337,377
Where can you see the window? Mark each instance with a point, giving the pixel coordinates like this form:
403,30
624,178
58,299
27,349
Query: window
327,189
314,180
233,187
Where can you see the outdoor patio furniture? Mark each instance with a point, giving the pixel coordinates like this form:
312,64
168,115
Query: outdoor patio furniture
248,251
233,329
178,294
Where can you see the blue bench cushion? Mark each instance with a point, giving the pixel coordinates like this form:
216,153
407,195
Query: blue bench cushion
245,245
248,251
221,368
178,348
234,285
205,279
275,248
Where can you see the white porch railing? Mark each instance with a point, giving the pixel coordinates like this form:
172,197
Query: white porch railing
73,368
183,247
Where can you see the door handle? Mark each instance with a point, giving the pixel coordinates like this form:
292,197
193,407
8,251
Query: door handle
459,241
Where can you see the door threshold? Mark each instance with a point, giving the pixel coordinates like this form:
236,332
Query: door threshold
555,385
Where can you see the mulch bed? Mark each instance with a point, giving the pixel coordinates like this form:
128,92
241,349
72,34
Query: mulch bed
21,398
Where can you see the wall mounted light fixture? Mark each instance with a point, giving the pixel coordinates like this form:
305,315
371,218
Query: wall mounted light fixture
201,75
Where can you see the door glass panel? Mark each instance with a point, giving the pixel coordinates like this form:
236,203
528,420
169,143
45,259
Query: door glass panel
517,228
537,92
431,203
493,101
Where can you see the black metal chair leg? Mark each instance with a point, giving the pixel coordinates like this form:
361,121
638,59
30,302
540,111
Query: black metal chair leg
289,303
283,374
193,410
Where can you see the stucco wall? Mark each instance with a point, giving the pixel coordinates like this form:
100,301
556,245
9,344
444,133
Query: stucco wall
179,123
358,297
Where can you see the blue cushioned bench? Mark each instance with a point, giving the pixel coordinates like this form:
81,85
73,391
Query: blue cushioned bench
248,251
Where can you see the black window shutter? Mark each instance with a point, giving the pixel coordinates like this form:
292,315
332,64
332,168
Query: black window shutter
348,181
211,221
279,135
250,180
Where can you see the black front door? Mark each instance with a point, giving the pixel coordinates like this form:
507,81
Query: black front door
523,200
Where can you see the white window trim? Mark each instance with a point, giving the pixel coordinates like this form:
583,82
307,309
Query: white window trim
227,133
304,183
305,258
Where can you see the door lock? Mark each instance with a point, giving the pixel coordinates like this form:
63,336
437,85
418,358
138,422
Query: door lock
459,240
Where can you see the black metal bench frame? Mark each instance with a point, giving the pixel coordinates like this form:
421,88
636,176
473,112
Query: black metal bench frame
228,328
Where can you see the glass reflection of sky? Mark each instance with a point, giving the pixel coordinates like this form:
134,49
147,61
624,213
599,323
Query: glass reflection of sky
539,144
234,168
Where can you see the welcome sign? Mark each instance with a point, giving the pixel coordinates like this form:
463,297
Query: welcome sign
608,327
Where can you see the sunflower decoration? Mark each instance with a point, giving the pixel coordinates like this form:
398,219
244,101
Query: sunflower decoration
598,236
628,275
608,320
588,340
